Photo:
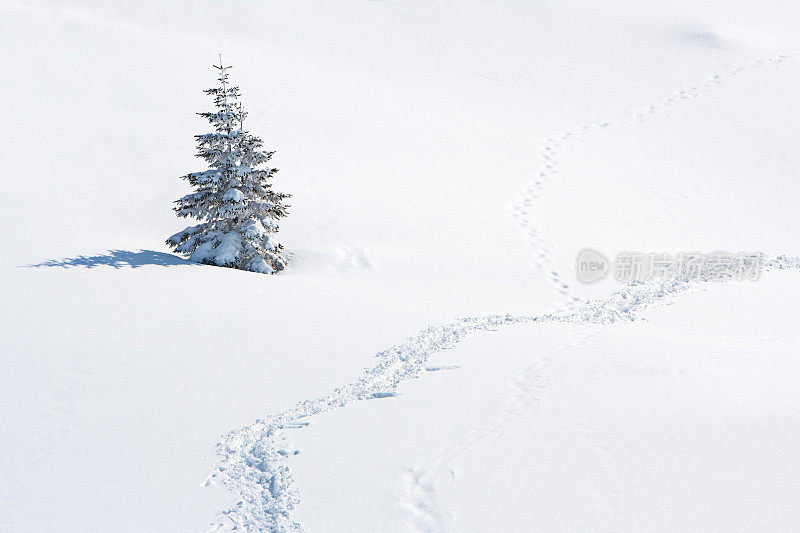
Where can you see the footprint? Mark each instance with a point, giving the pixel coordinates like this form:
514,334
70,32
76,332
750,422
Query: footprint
378,395
433,368
287,453
295,425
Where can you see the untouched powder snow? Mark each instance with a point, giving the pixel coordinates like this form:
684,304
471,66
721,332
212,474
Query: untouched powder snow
445,160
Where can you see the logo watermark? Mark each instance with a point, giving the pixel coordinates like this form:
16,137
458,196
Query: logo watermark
592,266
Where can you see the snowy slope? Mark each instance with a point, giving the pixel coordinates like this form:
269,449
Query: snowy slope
668,425
446,160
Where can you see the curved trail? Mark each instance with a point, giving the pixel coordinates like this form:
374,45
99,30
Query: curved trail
549,171
423,512
254,460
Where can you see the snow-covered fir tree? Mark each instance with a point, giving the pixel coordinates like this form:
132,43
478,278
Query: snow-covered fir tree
234,197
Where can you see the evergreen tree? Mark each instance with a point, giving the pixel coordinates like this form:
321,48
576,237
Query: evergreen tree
233,198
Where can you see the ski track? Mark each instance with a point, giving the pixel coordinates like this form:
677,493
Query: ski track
254,459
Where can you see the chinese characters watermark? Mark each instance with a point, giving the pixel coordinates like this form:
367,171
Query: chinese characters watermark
592,266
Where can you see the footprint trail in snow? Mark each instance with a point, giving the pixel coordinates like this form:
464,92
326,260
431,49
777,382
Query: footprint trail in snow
419,483
254,459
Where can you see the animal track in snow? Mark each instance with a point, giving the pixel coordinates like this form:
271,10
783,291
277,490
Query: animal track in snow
252,466
253,460
548,171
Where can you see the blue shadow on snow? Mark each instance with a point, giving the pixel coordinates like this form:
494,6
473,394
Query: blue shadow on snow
116,259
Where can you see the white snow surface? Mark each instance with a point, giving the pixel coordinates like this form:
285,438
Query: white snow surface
428,361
